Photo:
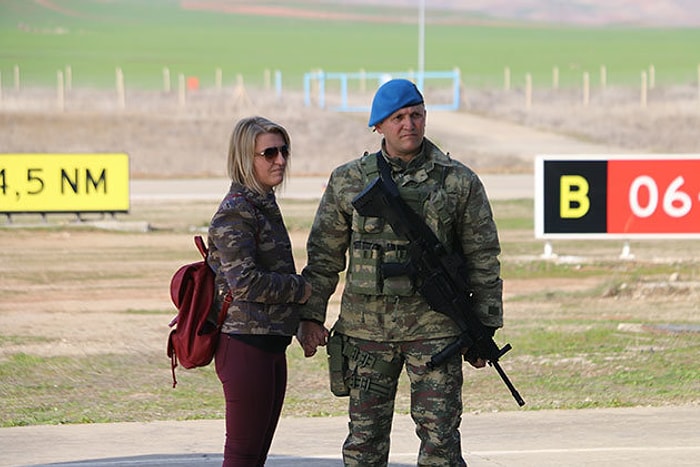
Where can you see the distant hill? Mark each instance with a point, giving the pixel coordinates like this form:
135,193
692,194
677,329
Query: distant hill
646,13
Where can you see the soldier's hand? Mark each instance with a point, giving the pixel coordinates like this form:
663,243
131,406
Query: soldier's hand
311,335
477,363
471,356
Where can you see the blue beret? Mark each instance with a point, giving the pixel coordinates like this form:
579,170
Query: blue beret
392,96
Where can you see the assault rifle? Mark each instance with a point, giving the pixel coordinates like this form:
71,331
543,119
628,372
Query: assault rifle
438,275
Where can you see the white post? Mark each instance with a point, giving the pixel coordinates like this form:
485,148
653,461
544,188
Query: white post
528,91
278,84
555,77
506,79
59,91
626,251
548,252
121,92
603,77
652,77
181,90
643,97
218,79
16,73
586,88
166,79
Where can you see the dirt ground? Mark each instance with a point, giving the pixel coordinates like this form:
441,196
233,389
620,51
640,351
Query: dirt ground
47,307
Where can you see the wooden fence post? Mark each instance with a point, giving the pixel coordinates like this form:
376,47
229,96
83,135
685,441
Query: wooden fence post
60,102
166,80
69,78
267,79
240,96
121,91
181,96
528,91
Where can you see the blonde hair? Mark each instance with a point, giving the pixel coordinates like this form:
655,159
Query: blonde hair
241,151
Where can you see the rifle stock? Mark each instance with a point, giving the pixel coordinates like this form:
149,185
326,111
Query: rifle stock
439,275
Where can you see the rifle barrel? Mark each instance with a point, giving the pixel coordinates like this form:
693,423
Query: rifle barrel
506,380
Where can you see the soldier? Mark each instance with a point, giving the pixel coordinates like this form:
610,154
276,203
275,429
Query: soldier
384,324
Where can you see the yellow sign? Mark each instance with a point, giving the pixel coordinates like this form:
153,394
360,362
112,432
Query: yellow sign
64,183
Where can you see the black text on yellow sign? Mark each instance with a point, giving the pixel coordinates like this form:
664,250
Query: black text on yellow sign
77,183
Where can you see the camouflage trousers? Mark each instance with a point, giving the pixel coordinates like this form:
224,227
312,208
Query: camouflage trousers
436,404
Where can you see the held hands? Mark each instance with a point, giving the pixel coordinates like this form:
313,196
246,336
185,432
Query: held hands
310,335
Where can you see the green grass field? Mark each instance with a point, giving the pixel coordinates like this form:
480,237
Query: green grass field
94,38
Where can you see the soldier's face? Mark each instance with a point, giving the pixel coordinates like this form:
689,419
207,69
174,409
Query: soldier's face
403,131
269,171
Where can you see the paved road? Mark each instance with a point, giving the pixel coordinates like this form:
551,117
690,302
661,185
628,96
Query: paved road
498,187
664,436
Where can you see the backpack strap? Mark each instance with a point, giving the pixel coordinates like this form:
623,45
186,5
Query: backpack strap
203,250
201,246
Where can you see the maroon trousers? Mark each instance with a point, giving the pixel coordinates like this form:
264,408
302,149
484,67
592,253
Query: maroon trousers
254,383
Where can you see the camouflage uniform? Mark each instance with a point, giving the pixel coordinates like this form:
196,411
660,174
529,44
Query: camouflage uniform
249,248
385,320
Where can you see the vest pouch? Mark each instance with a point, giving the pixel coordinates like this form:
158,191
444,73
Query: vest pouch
394,285
364,276
337,365
439,215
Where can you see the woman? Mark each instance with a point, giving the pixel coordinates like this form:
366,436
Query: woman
250,250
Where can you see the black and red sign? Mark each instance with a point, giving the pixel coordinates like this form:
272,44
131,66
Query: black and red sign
628,196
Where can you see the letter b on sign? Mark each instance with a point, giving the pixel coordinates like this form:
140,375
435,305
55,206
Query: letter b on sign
574,201
574,196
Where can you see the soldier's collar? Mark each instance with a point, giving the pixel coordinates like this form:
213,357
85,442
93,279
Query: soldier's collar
399,165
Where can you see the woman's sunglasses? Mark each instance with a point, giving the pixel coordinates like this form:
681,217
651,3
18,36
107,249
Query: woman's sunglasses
270,154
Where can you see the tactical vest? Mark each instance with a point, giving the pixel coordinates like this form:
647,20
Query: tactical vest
374,243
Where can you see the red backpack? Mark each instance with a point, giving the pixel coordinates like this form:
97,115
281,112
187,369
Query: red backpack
193,341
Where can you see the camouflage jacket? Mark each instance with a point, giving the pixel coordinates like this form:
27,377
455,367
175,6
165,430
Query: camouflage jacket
250,250
454,205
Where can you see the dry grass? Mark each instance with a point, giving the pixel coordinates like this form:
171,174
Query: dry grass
84,313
